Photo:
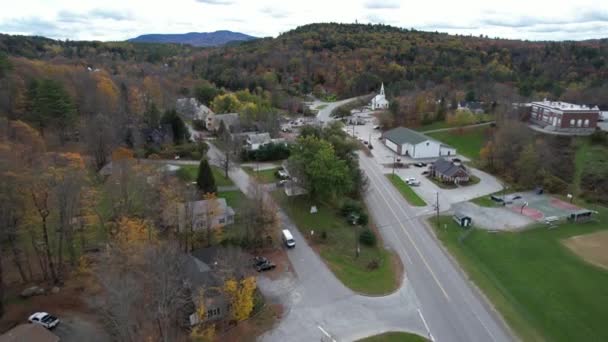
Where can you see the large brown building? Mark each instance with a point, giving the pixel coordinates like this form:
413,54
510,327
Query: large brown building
564,117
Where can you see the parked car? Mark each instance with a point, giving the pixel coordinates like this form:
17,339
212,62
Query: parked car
282,183
420,164
258,260
262,264
413,183
424,173
267,266
288,238
377,127
45,319
456,160
282,174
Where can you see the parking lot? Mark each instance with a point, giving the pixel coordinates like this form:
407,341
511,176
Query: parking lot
427,190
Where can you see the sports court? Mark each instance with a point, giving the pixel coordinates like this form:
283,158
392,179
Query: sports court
542,206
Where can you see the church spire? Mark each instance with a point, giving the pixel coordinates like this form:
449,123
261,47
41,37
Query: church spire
382,89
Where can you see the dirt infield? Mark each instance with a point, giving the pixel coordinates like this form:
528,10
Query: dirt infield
592,248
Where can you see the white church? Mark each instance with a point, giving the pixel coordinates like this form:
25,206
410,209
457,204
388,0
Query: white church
379,101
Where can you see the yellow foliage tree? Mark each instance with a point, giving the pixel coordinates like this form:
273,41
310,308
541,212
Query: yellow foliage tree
133,233
241,297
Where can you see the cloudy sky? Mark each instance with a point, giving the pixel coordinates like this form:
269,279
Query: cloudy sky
122,19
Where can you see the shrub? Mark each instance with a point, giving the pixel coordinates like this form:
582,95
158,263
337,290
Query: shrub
269,152
373,265
199,125
324,235
367,238
350,206
599,138
363,219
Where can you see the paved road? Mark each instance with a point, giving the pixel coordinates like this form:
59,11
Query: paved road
452,308
324,114
316,298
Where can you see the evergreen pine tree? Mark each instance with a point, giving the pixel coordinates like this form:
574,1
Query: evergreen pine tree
205,180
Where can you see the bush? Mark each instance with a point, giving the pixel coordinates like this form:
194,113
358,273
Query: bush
363,219
199,125
373,265
599,138
269,152
350,206
367,238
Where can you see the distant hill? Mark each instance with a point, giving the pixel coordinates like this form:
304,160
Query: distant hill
203,39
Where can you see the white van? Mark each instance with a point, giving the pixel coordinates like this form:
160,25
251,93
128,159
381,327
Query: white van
288,239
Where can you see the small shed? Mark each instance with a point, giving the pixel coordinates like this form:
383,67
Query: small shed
462,220
580,215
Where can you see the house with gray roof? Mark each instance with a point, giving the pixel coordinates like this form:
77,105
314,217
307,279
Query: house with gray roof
214,121
447,171
256,140
407,142
201,215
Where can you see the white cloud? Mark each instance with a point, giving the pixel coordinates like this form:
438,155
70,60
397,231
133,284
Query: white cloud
122,19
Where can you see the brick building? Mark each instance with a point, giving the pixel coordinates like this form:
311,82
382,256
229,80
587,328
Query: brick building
564,117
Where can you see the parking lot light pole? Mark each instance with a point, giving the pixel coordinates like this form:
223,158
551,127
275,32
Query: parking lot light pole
394,161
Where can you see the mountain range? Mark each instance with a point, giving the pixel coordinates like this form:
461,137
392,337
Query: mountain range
203,39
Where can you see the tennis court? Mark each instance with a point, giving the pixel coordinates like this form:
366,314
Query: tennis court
540,207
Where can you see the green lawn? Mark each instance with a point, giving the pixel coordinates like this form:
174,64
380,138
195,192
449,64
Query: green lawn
394,337
485,201
433,126
406,191
543,290
467,142
339,246
235,199
188,173
583,153
263,176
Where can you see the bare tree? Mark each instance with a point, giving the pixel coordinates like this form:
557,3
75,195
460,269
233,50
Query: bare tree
100,138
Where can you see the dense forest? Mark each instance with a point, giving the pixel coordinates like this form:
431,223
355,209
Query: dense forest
351,59
338,59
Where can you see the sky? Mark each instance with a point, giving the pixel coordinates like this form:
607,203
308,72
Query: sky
123,19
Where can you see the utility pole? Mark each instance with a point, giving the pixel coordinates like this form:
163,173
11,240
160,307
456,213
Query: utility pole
437,208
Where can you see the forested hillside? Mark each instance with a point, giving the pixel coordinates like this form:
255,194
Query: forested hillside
351,59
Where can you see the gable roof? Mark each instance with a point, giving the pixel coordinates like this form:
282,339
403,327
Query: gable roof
402,135
200,207
258,138
29,332
447,168
228,119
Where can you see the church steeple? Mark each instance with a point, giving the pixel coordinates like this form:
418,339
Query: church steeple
382,89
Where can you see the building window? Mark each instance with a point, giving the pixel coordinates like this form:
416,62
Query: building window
579,123
586,123
572,122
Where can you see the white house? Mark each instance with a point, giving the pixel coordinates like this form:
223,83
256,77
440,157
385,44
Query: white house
379,101
406,142
256,140
202,215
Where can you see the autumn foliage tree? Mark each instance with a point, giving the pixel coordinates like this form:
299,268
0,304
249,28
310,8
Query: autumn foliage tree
241,294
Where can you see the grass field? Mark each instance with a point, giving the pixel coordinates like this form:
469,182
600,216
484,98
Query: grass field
583,153
467,142
406,191
542,289
188,173
338,248
394,337
433,126
485,201
263,176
